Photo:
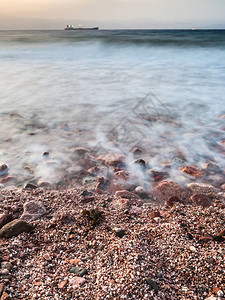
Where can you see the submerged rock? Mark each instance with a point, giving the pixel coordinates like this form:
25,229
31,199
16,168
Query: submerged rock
14,228
193,171
3,169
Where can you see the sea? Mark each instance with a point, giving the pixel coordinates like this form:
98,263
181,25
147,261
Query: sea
110,91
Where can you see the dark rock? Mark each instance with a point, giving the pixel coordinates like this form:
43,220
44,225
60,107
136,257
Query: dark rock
79,271
4,219
152,284
171,201
3,169
200,200
119,232
45,153
140,162
30,186
14,228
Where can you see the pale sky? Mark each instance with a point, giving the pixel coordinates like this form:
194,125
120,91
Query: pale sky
50,14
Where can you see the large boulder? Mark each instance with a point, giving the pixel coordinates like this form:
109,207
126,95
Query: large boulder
14,228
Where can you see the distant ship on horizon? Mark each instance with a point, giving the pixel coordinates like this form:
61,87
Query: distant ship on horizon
80,27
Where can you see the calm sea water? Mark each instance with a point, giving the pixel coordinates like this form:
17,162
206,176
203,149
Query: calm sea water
110,91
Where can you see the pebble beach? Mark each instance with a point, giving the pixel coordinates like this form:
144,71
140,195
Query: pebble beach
108,239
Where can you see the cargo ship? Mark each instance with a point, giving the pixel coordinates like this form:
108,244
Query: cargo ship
80,27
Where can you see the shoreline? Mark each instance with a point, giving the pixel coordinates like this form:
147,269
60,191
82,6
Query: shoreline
110,239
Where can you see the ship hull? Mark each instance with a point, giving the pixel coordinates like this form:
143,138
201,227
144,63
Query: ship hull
92,28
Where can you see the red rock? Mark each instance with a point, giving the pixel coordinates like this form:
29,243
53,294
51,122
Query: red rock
5,296
200,200
205,238
193,171
112,159
124,194
155,214
223,187
77,281
166,189
62,284
216,290
4,219
75,261
47,257
173,200
2,288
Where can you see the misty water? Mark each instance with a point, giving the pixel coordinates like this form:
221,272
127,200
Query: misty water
110,91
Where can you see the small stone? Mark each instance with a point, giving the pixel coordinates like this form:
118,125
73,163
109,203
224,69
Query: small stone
155,214
79,271
200,200
14,228
140,162
2,288
137,151
171,201
4,219
152,284
76,282
193,249
205,238
75,261
46,153
193,171
218,291
5,296
47,257
33,210
62,284
30,186
3,169
6,265
119,232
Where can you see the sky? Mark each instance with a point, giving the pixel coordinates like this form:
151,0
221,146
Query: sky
56,14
